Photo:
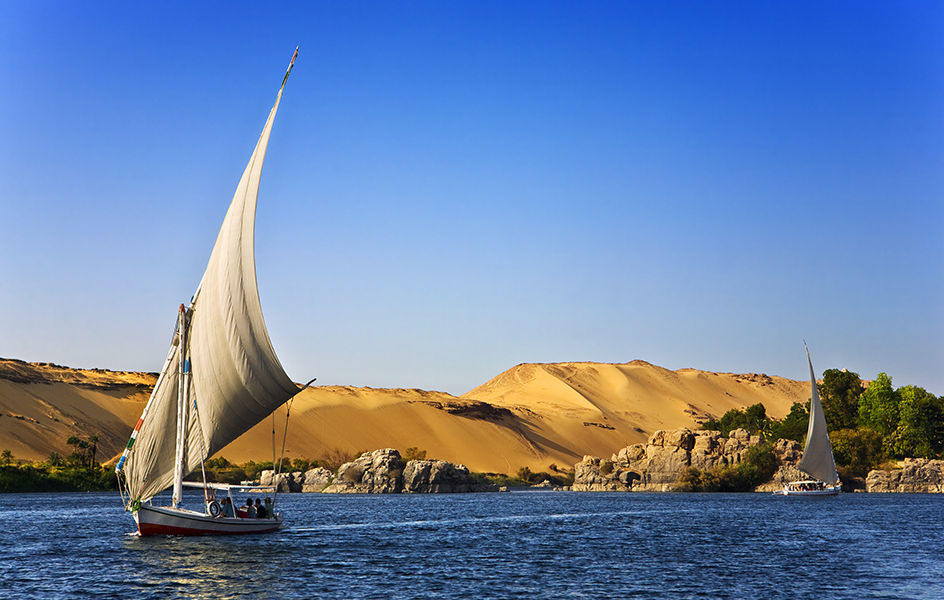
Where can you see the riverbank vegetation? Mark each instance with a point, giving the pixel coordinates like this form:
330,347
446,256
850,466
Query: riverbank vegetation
868,425
756,467
221,470
72,474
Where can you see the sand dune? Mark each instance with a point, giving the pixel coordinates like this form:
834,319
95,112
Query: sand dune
42,405
532,415
592,408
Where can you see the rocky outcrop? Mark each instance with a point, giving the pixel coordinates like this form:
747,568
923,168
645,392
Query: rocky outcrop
655,465
381,472
377,472
18,371
317,479
439,476
788,455
313,480
283,482
917,475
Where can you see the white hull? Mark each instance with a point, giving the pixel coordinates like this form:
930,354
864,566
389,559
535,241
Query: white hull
164,520
792,490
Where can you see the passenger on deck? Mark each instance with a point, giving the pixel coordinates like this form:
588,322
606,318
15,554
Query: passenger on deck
269,508
250,509
260,510
227,505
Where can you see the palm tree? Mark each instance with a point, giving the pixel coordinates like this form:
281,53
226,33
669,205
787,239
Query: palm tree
93,442
81,449
6,457
54,459
74,442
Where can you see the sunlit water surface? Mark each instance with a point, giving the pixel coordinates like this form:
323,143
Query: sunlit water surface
511,545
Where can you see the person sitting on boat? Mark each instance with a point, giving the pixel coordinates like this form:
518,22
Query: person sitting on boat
228,508
269,508
260,510
250,509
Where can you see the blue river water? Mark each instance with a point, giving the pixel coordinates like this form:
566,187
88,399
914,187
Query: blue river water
509,545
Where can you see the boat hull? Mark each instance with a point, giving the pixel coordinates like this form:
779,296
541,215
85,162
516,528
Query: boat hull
163,520
826,491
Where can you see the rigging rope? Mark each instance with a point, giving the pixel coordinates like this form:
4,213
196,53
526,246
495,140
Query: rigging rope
275,479
288,410
203,456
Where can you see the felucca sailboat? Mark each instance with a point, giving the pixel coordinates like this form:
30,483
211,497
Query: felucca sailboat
221,377
817,460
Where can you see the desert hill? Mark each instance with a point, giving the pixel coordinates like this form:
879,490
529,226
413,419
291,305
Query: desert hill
532,415
42,405
597,409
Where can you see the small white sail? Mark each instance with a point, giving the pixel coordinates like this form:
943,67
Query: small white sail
237,379
818,461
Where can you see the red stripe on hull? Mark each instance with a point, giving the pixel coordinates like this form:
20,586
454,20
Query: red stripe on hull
154,529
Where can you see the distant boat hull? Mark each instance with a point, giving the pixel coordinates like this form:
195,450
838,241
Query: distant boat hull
808,488
164,520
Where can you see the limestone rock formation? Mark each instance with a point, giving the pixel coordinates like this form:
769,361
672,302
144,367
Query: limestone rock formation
426,476
284,482
655,465
381,472
377,472
917,475
316,479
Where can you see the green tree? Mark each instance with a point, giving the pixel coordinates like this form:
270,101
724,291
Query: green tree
54,459
920,431
793,426
878,406
839,394
218,463
753,419
758,465
79,454
413,453
692,479
6,457
301,464
763,459
92,441
857,451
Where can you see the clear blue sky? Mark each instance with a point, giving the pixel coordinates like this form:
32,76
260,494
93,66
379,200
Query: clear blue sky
453,188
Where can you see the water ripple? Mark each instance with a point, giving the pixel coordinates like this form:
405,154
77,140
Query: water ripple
517,545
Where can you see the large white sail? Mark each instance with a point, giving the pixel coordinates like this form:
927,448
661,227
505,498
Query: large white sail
236,377
818,461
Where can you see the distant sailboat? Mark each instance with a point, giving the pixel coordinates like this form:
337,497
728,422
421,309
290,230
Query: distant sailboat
817,461
221,377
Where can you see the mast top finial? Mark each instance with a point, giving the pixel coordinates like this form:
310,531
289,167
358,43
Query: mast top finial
290,65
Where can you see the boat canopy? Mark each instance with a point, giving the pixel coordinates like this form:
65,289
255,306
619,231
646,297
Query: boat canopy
229,487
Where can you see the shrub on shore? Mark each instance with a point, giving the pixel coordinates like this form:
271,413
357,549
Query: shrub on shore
527,478
757,466
43,477
74,474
